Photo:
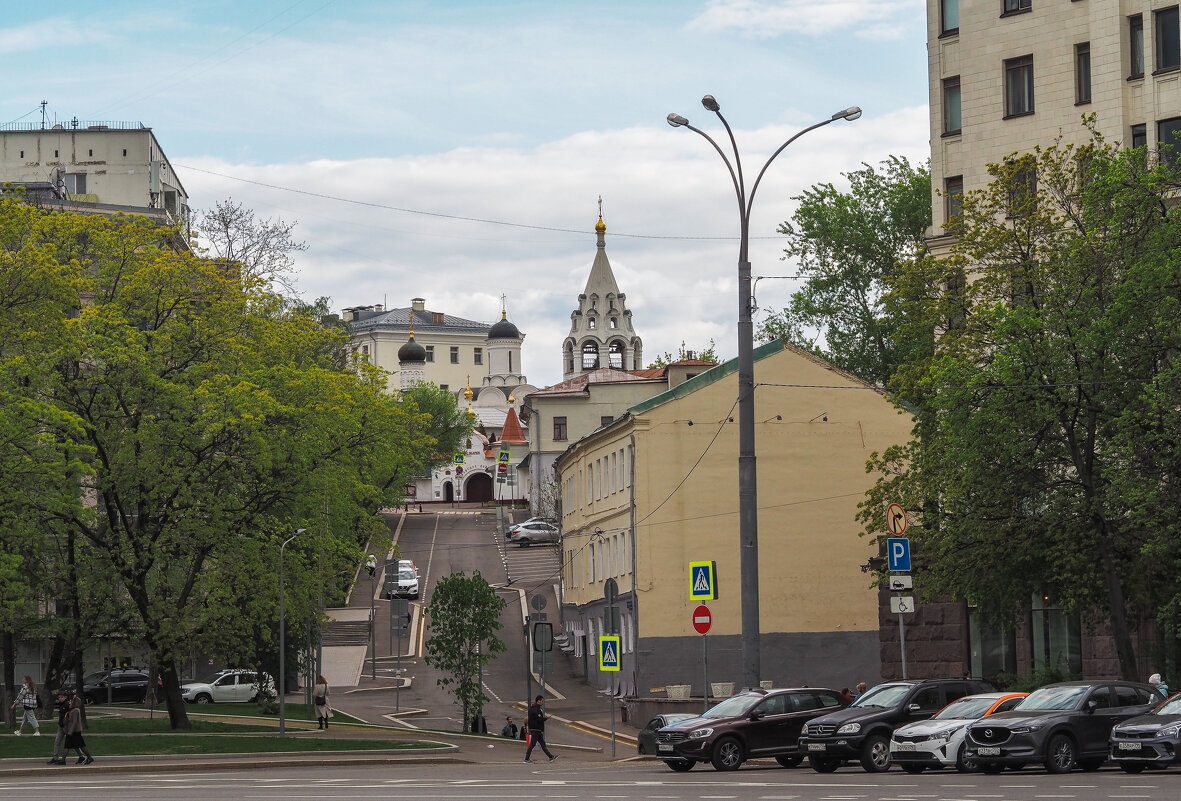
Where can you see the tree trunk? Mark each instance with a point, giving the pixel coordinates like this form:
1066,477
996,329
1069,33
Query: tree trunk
1116,606
9,680
178,716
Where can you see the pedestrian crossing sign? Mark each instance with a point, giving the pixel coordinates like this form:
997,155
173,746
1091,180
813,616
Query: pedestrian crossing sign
504,457
703,581
459,458
609,653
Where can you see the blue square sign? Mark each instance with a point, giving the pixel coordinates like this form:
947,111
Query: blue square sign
898,554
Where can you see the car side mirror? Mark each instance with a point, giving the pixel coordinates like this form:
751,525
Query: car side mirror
756,714
914,708
1092,706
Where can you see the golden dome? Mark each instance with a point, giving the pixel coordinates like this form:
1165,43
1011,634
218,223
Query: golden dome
600,226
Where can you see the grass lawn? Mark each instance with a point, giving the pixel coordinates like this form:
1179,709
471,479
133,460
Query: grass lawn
112,735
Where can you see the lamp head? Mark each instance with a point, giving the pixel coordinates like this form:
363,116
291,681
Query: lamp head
676,120
299,531
851,113
710,104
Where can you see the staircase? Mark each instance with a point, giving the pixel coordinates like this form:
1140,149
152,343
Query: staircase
345,632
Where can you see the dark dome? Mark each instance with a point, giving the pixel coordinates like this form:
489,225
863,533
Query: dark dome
412,352
503,329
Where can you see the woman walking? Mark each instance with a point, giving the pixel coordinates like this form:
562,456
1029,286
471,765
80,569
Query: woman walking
320,701
74,733
27,700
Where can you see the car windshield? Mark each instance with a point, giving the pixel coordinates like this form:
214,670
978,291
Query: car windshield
1170,707
966,709
884,695
734,707
212,677
405,575
1053,698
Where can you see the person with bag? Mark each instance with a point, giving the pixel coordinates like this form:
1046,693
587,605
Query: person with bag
74,732
537,718
320,701
27,700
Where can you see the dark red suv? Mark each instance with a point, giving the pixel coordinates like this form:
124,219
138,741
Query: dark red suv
752,724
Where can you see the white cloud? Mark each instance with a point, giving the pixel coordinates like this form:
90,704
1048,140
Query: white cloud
49,35
655,182
764,19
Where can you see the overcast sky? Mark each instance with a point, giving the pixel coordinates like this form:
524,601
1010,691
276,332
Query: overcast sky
375,125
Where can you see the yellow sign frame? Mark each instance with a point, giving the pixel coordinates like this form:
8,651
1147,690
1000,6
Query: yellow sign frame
699,591
615,640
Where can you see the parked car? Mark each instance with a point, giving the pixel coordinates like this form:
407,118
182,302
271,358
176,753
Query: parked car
1059,725
531,533
1149,740
121,686
939,742
646,739
863,731
403,583
753,723
227,686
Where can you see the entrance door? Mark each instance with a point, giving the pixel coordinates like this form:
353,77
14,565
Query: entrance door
478,487
448,492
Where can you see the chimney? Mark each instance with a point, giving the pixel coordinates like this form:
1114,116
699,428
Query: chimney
418,304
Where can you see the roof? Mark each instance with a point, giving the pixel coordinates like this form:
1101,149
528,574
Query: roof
424,321
512,432
578,385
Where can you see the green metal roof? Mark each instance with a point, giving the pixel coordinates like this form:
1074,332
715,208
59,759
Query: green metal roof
716,373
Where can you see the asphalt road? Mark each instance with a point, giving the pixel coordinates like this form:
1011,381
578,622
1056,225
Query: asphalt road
588,781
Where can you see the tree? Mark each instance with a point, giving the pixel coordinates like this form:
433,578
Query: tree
464,616
849,246
1045,452
445,422
263,248
707,355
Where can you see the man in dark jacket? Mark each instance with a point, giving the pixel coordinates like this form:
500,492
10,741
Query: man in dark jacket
63,708
536,725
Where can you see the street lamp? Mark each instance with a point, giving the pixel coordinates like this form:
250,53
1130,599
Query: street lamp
748,521
283,637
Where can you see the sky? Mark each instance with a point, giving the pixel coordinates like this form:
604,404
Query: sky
456,151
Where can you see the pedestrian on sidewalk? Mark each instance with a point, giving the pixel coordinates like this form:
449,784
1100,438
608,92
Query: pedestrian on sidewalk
320,701
74,732
28,701
537,718
63,709
509,729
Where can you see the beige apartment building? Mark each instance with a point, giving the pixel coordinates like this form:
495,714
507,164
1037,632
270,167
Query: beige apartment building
1007,75
657,488
103,167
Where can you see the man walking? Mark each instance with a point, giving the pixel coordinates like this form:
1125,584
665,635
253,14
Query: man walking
536,725
63,708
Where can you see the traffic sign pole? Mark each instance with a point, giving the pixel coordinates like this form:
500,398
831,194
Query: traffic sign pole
705,676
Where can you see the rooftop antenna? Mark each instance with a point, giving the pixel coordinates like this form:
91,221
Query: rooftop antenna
44,103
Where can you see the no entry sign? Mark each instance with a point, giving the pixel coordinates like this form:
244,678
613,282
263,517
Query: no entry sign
702,619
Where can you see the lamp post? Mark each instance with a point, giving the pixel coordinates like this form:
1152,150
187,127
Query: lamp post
283,637
748,521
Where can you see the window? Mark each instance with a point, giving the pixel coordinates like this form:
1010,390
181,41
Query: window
445,387
430,353
928,699
479,356
1168,137
1023,190
614,322
1168,39
591,323
605,420
560,428
1136,46
1057,637
953,196
1139,135
1016,6
76,183
949,16
455,354
125,152
90,151
951,105
1018,86
992,650
1082,73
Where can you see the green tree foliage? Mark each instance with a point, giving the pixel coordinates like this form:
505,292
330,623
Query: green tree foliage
443,420
849,247
1046,449
707,355
464,616
176,421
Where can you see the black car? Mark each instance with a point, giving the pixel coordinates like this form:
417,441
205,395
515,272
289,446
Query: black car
1059,725
120,686
862,731
1152,740
754,723
646,739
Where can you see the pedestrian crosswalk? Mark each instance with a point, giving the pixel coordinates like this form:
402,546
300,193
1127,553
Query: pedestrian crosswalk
535,564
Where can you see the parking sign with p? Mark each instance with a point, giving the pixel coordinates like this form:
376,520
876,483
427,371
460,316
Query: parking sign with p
898,554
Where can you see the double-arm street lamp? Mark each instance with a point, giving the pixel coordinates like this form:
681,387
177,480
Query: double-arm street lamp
748,533
283,637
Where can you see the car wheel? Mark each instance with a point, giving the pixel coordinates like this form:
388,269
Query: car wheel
824,764
875,754
1060,754
89,700
203,698
727,754
789,761
963,764
680,765
991,768
916,769
1091,765
1132,767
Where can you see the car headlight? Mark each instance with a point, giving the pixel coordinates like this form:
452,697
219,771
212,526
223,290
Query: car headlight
1171,731
849,728
939,737
805,729
1026,729
698,734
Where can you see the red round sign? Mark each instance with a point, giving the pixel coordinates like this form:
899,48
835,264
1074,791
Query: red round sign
702,619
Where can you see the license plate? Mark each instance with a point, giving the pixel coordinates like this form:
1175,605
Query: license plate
904,747
815,746
1128,746
664,747
988,750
